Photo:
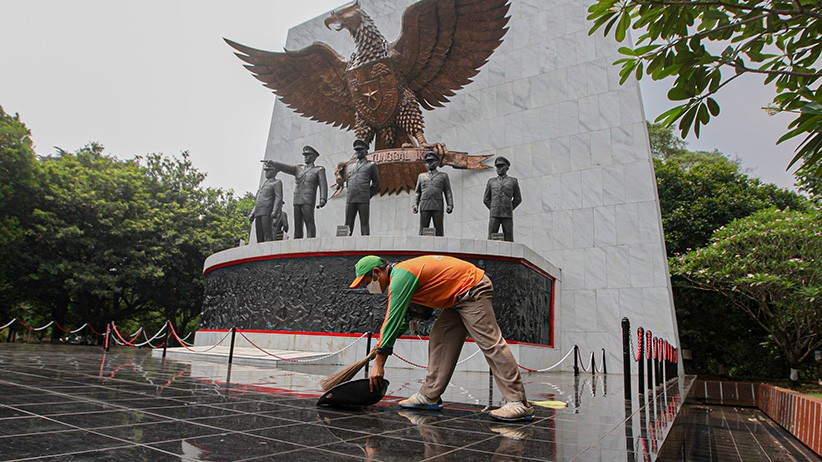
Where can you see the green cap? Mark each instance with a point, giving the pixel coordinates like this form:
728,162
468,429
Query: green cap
365,266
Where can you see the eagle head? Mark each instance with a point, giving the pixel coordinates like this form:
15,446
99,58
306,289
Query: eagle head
348,16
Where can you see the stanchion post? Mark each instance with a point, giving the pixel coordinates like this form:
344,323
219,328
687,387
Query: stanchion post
604,367
108,337
576,360
593,364
231,347
649,353
168,337
11,333
626,356
367,352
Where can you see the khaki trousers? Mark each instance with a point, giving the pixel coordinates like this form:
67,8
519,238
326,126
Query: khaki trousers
473,314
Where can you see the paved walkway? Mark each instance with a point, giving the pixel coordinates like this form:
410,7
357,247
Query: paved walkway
728,434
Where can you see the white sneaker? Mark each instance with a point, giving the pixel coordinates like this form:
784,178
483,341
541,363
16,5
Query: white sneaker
513,411
420,401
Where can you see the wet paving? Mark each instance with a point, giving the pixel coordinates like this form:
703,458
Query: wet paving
72,403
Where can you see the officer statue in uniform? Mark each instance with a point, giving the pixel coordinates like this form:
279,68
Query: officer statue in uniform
432,186
268,205
362,179
308,178
502,196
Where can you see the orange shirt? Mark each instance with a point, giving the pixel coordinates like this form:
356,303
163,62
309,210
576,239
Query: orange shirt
434,281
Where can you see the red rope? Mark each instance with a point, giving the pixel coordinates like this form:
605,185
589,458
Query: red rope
65,331
639,337
418,365
24,324
269,354
95,332
136,335
117,333
528,369
178,337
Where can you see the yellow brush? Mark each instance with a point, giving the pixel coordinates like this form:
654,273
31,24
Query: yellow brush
550,404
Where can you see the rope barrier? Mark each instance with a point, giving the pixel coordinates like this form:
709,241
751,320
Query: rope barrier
409,362
36,328
117,335
549,367
94,331
148,340
65,331
78,329
9,323
303,360
174,332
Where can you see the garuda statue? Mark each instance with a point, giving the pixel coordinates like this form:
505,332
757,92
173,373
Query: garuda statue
380,90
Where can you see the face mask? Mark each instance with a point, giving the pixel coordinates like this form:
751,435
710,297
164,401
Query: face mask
374,287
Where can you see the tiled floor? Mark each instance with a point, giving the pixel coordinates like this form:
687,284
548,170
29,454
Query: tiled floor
724,433
71,403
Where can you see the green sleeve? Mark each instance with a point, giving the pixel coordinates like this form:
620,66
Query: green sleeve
402,287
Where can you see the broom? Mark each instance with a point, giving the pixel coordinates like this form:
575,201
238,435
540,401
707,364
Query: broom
347,373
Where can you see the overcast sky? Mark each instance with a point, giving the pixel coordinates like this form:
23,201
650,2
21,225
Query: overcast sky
156,76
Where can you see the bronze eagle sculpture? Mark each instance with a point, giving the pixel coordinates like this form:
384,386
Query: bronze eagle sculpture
380,90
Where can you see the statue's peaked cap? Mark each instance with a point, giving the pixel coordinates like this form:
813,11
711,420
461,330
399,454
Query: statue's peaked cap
310,150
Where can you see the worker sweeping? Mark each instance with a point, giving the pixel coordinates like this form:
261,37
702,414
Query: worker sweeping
464,293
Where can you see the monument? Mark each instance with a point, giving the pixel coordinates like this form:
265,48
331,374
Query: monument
588,228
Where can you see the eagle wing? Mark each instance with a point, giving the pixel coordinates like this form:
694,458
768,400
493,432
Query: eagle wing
311,81
444,43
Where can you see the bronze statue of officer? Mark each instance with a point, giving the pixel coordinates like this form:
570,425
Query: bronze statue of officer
502,196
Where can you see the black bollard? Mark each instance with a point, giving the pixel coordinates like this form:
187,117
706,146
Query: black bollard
168,337
593,364
11,334
626,356
576,361
231,347
649,364
604,368
367,352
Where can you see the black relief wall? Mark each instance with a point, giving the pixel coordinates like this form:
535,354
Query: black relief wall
310,294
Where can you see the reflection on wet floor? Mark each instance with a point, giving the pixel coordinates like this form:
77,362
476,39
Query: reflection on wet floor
81,404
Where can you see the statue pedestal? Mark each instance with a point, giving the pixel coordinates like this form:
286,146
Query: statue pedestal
293,295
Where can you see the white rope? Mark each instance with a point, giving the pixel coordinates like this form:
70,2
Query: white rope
466,359
212,346
148,340
10,323
114,337
558,362
330,354
44,327
187,336
579,356
602,363
136,332
75,330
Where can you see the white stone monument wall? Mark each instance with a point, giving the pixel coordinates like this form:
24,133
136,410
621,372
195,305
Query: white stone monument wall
550,101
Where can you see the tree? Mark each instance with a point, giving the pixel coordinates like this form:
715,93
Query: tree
768,266
778,39
700,192
193,222
18,183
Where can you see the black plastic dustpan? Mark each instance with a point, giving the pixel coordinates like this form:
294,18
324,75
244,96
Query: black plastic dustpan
353,393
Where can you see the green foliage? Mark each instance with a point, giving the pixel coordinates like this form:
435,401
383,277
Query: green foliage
18,184
702,191
107,239
768,266
705,45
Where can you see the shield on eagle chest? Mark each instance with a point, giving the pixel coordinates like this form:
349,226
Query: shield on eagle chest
375,92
